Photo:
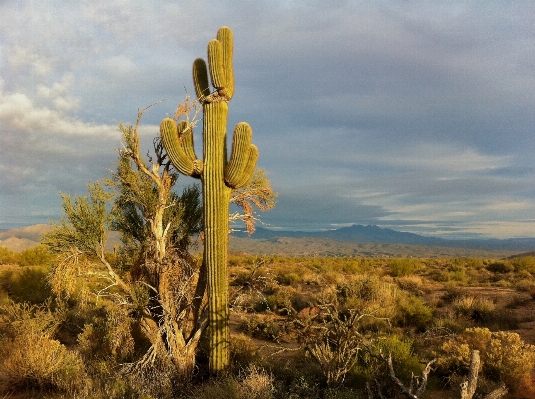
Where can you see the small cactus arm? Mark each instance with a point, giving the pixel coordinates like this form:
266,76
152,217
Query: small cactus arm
219,177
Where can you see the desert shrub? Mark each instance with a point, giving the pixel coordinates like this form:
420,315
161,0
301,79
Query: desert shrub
447,320
367,294
292,279
413,311
471,306
34,361
484,311
405,361
29,285
452,293
6,256
505,357
242,350
252,383
441,276
284,300
261,326
402,267
256,384
524,263
471,263
410,283
501,267
18,318
458,275
503,283
36,256
354,266
107,335
4,297
332,277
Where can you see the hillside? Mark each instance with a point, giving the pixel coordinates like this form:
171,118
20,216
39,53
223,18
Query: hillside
325,247
354,241
375,234
22,238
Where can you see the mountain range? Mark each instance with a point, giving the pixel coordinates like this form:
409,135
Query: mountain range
375,234
26,237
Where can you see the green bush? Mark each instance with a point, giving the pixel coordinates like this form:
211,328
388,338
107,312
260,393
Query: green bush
292,279
36,256
402,267
524,263
405,361
6,256
501,267
29,285
413,311
367,294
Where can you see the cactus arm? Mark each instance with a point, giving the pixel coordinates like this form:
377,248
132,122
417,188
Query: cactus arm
185,133
215,63
241,142
224,36
200,79
249,168
171,142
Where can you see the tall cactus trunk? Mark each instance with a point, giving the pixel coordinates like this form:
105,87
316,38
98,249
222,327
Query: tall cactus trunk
216,228
218,177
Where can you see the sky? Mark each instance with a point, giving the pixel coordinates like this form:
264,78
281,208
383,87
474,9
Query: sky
413,115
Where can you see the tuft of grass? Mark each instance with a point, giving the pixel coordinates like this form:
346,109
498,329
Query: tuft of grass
34,361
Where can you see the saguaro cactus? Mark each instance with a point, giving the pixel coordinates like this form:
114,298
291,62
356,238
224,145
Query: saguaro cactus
219,177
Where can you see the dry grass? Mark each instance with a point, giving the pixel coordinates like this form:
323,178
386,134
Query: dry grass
35,361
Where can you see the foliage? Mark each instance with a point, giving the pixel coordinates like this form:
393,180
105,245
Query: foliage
6,256
501,267
36,256
29,355
402,267
152,278
32,360
370,365
504,355
524,263
28,285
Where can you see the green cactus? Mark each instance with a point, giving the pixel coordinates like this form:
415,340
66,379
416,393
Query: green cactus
219,177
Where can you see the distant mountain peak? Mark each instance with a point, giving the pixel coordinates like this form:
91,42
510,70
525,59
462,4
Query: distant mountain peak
376,234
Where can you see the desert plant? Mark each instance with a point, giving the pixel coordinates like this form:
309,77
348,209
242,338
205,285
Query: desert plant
413,311
410,283
402,267
504,355
472,306
29,285
153,276
524,263
37,256
30,357
219,178
6,256
32,360
501,267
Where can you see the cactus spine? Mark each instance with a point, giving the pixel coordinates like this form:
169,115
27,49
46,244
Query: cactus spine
219,177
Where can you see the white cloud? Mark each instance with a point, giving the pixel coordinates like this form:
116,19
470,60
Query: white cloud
19,114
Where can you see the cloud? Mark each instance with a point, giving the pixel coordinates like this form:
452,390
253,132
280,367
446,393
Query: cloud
411,115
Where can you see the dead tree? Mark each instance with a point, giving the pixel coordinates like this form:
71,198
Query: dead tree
468,388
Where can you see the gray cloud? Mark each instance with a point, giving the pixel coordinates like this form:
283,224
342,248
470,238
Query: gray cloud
409,115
